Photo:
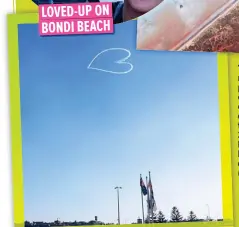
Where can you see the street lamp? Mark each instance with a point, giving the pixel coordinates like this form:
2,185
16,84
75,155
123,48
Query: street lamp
118,188
208,210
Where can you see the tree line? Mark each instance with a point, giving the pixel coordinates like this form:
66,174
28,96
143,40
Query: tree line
175,216
159,217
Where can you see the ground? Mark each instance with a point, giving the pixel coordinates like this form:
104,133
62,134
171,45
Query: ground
226,223
186,224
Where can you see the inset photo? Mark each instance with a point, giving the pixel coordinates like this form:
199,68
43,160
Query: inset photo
190,25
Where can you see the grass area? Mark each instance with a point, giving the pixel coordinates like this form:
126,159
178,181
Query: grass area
181,224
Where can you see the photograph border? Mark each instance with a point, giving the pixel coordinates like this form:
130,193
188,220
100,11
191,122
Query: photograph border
16,137
233,72
24,6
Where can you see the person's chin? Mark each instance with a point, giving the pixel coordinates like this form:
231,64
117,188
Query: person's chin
143,6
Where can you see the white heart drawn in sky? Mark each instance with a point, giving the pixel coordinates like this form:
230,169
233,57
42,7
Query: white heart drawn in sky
121,61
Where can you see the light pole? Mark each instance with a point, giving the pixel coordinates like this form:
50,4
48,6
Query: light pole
208,210
118,188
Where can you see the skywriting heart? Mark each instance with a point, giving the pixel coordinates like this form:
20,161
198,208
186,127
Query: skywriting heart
122,61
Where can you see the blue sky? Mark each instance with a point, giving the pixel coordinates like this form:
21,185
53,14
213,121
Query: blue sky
85,131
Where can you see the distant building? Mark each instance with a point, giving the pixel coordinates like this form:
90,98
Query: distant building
139,221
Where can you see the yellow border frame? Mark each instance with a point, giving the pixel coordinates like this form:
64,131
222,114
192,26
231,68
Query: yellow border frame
18,193
25,6
225,135
233,60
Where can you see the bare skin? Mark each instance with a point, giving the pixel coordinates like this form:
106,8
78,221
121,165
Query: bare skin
136,8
